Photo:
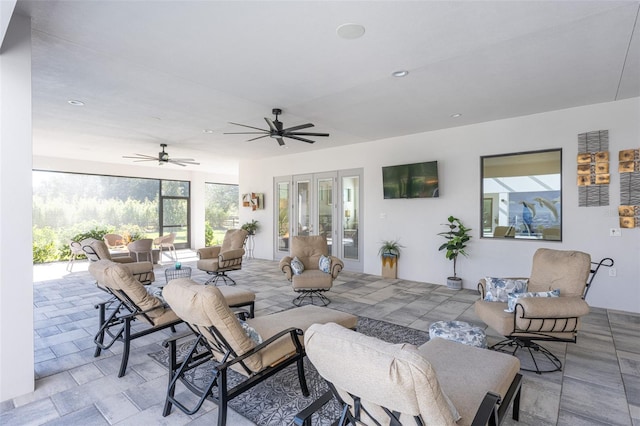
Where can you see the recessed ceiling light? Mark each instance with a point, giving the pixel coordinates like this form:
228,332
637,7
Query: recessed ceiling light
207,131
400,73
456,115
75,102
350,31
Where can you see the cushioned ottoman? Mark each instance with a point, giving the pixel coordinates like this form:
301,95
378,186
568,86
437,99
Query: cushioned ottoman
459,331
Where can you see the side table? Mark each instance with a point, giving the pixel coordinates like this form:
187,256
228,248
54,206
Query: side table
173,273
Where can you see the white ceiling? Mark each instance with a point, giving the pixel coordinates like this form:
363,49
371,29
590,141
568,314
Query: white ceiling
152,72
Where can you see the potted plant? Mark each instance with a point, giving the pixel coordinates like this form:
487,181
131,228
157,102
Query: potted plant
389,253
251,227
457,237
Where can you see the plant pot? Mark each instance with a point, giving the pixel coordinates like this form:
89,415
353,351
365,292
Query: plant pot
389,266
454,283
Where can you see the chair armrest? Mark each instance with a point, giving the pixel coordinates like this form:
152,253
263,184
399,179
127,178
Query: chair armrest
553,307
285,267
231,254
209,252
336,266
488,408
292,331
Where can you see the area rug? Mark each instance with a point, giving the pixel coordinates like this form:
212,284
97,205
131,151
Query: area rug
278,399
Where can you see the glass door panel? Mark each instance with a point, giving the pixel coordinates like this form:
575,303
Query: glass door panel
282,191
175,219
302,207
325,205
350,219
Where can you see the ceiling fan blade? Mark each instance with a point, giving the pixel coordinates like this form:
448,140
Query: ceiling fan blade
280,141
250,127
247,133
306,134
271,124
183,160
259,137
139,156
145,159
300,127
299,139
177,163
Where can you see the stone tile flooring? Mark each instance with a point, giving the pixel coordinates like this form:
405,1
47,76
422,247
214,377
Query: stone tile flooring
600,383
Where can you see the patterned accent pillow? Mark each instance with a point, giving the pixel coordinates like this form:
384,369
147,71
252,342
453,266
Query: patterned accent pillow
498,289
513,297
251,332
155,291
324,264
296,266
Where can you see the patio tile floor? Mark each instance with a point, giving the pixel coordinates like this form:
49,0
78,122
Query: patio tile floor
600,382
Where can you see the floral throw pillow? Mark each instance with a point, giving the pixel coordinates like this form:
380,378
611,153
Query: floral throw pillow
324,264
513,297
498,289
296,266
251,332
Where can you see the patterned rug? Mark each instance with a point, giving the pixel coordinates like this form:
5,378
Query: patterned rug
278,399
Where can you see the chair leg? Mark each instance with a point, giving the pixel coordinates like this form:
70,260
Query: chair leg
220,276
222,398
309,297
127,347
100,337
302,378
516,406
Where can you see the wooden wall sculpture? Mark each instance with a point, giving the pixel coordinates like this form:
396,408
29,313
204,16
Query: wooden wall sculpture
593,169
629,168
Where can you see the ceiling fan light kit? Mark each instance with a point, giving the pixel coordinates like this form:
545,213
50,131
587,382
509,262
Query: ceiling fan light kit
277,131
162,158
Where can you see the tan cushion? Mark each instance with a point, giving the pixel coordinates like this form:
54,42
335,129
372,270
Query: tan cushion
234,239
312,279
396,376
204,306
309,249
467,373
560,269
118,277
236,296
208,265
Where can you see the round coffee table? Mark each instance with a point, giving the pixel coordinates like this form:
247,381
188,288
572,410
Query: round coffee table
459,331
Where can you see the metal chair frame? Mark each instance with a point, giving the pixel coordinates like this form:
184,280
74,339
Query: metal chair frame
202,350
144,277
311,295
512,343
492,409
117,326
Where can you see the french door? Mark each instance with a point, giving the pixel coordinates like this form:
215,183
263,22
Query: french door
325,204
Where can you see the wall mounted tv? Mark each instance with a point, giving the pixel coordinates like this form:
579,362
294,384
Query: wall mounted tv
418,180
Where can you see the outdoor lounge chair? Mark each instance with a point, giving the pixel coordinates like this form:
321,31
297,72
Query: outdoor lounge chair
166,242
275,343
96,250
440,383
132,301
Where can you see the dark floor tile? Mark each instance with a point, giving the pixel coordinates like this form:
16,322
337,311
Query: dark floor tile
595,402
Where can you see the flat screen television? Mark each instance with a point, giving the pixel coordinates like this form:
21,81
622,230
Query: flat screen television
418,180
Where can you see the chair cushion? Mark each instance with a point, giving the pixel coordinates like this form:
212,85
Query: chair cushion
467,373
312,280
204,306
498,289
514,297
234,239
296,266
395,376
560,269
208,265
309,249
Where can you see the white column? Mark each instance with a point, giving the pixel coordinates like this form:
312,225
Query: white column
16,269
197,211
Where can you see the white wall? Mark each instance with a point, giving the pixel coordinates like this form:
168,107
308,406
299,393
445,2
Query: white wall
417,221
16,272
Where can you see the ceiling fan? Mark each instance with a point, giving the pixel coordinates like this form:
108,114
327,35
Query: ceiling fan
277,131
162,158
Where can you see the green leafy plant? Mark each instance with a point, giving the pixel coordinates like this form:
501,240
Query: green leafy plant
251,227
457,237
390,248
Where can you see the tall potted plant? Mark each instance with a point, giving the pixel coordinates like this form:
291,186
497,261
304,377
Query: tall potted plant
389,253
457,237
